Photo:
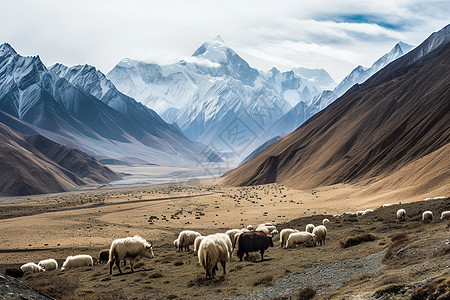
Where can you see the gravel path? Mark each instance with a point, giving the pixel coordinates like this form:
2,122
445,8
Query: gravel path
11,288
332,275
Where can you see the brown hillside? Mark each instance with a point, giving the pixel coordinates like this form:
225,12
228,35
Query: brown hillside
53,168
397,120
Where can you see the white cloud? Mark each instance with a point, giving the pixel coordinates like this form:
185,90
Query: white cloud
320,34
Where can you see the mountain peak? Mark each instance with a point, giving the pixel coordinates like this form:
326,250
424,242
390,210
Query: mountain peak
218,38
6,48
215,50
404,46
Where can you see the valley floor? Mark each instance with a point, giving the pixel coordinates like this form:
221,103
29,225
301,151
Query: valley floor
401,259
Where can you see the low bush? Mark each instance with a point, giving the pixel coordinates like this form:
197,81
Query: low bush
357,239
306,293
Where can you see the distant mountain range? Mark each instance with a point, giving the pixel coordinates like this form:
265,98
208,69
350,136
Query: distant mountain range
81,108
216,94
361,74
33,164
393,129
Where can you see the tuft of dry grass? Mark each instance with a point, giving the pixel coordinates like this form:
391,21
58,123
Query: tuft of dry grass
398,241
438,289
363,276
306,293
357,239
392,288
156,275
266,280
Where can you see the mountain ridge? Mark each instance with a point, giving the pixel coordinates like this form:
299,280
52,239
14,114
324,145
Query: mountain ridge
371,132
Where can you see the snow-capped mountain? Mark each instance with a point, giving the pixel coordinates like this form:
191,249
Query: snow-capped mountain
320,77
361,74
300,113
215,97
68,110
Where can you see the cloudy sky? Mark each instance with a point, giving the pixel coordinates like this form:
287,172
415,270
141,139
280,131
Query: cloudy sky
329,34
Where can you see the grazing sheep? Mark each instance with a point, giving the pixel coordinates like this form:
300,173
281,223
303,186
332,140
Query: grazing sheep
213,249
325,222
321,233
197,242
186,238
14,272
427,216
48,264
367,211
235,238
401,214
253,241
250,227
284,235
309,228
302,237
31,268
439,198
103,256
131,248
265,228
81,260
232,234
445,214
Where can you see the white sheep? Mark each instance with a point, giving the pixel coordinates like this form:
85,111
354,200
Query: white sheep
427,216
367,211
197,242
81,260
132,248
302,237
309,228
232,234
401,214
31,268
321,233
186,238
267,229
445,214
213,249
274,232
325,222
48,264
439,198
250,227
284,235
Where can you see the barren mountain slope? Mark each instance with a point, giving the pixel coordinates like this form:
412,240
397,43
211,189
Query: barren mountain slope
397,117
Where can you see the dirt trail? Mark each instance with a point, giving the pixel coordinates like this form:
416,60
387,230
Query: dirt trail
324,278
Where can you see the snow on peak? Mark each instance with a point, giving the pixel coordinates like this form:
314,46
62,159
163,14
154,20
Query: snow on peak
6,48
127,63
215,50
219,39
405,47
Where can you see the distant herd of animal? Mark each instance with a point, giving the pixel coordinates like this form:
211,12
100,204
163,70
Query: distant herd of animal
211,249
